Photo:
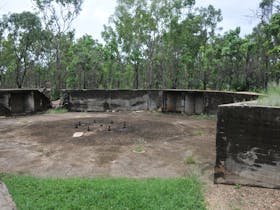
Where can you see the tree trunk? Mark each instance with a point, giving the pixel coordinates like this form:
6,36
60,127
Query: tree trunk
204,80
136,76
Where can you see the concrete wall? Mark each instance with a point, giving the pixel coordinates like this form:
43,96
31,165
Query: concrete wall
248,145
22,101
200,102
118,100
185,101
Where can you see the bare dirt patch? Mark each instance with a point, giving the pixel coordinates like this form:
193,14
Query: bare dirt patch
132,144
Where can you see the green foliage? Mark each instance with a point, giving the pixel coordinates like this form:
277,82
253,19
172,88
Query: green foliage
36,193
140,146
148,44
204,116
20,46
237,186
55,94
57,111
189,160
198,132
272,97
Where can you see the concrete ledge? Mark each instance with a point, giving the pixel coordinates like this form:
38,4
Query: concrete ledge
248,145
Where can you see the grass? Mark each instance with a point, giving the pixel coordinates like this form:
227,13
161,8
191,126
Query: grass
272,97
38,193
198,132
237,186
204,117
189,160
57,111
139,147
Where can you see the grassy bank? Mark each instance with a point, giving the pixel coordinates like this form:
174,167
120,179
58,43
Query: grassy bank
37,193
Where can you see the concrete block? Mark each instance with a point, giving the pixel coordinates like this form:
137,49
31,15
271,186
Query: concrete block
248,146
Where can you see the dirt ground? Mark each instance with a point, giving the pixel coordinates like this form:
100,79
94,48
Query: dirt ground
127,144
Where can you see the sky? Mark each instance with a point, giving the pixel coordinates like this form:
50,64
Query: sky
95,14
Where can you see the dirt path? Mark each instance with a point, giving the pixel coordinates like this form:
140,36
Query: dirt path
132,144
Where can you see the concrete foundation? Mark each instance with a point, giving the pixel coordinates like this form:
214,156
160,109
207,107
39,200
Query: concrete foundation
22,101
183,101
248,145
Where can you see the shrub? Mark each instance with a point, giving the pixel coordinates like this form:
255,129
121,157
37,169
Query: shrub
272,97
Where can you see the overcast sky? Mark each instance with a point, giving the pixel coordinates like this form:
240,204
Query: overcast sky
95,14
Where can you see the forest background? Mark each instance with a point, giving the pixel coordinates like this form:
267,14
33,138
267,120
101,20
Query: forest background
147,44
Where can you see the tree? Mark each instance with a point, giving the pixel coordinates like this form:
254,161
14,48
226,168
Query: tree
273,41
57,16
19,47
268,7
87,57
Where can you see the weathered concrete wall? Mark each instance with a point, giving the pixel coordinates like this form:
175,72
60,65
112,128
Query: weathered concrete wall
248,145
186,101
201,102
212,99
118,100
4,104
22,101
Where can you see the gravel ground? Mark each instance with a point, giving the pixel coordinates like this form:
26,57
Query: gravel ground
228,197
6,202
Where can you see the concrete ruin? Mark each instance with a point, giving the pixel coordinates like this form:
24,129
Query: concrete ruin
248,136
183,101
22,101
248,145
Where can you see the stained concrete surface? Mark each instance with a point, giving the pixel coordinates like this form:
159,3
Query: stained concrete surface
185,101
248,145
44,146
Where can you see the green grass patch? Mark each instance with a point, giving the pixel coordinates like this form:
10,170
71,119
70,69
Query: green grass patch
189,160
57,111
272,97
198,132
38,193
204,117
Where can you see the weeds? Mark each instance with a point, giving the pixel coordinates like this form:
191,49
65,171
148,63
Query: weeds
189,160
272,97
237,186
139,147
57,111
204,117
198,132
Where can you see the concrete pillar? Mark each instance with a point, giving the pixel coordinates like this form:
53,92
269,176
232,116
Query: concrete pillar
199,106
29,103
189,104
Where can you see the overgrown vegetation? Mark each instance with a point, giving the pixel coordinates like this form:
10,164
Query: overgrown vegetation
189,160
36,193
198,132
57,111
204,117
147,44
139,146
272,95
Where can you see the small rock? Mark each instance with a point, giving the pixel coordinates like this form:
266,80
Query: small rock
78,134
